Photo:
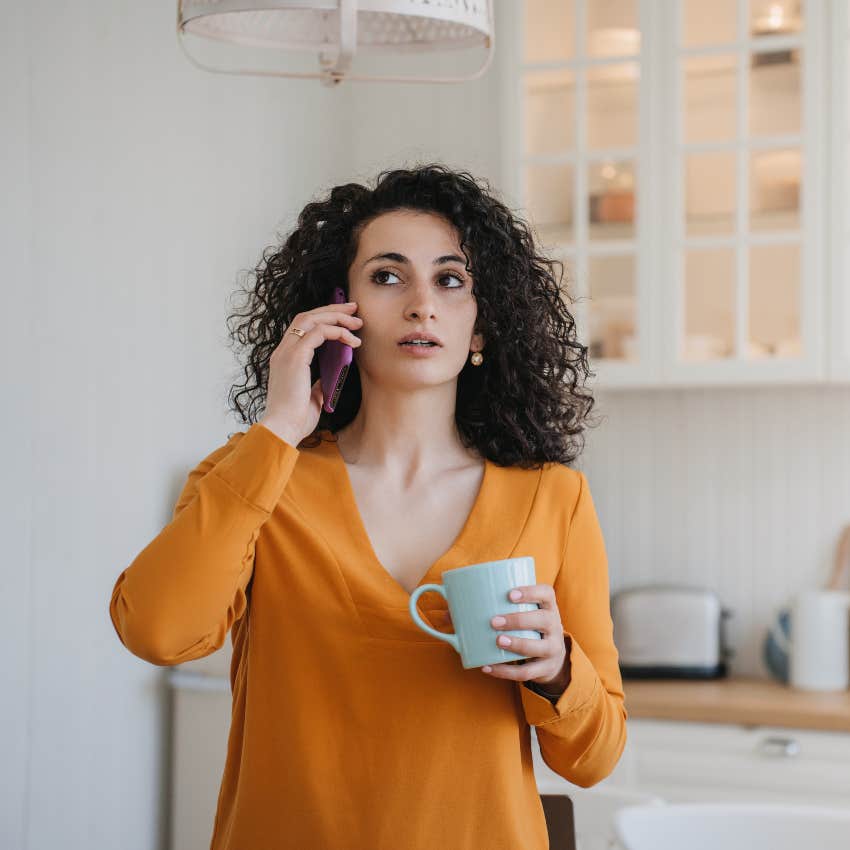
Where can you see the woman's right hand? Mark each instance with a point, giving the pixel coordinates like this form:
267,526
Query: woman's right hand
292,406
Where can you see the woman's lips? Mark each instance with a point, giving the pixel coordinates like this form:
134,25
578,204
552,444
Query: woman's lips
419,350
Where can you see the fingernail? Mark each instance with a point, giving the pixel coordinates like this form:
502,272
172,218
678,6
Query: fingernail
487,669
499,621
504,640
516,594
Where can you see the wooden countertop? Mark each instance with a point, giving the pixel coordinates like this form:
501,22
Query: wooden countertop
738,700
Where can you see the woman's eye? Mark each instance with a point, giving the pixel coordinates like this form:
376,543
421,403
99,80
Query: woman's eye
459,280
383,271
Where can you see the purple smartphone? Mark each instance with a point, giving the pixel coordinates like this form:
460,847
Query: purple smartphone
334,359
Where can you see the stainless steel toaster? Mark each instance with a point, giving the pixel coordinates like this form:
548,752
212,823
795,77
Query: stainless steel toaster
670,631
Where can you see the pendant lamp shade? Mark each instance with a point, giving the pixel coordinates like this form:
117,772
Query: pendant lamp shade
336,29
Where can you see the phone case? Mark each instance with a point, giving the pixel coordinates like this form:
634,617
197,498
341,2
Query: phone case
335,359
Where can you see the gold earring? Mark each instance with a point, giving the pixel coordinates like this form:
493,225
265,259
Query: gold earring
477,358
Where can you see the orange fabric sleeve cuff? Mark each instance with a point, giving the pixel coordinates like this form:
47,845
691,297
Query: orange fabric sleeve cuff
584,680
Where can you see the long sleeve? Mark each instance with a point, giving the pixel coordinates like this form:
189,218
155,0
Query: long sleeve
582,735
182,593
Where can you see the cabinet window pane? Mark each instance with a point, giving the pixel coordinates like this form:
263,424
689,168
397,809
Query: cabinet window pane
709,309
775,85
776,17
775,301
550,111
612,28
708,88
549,35
710,193
549,200
708,23
611,205
612,98
612,308
775,189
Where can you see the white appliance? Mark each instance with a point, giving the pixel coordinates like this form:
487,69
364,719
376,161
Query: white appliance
670,631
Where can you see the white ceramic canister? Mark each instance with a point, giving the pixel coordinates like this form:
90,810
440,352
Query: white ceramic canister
820,641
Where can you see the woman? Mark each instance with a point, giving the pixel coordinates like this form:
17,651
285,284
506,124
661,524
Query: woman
306,534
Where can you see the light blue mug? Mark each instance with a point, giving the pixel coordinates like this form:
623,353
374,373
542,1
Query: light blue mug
475,595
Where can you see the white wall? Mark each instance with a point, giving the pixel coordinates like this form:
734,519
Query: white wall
137,189
17,329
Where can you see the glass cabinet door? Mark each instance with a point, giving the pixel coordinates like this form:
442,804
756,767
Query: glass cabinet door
839,169
673,154
744,263
581,168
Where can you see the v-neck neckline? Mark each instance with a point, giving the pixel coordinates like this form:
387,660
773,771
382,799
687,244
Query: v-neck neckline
471,529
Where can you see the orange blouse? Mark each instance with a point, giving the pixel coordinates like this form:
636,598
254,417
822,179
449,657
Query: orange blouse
351,728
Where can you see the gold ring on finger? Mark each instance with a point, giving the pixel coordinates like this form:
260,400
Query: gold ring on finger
297,331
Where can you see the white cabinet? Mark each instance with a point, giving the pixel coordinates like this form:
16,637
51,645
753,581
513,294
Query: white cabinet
695,762
685,160
201,706
200,716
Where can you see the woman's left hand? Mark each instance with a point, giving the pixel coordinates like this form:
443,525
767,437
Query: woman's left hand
548,663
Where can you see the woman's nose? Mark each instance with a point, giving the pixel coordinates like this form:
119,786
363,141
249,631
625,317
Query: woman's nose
421,304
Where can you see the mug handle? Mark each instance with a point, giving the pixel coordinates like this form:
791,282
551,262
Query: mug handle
437,588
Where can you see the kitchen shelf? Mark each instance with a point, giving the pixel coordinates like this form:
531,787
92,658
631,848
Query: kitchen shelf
746,701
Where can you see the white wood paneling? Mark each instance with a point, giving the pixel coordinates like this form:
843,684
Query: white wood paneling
741,490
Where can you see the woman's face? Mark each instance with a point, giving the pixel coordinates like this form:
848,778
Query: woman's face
408,276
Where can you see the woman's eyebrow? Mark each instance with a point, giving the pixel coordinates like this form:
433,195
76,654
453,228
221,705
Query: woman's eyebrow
400,258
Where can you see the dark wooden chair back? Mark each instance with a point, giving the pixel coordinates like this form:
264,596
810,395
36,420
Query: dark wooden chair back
558,809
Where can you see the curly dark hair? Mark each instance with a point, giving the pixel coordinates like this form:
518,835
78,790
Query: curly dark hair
516,408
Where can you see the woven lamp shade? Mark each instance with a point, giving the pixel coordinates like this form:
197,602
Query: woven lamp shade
336,29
